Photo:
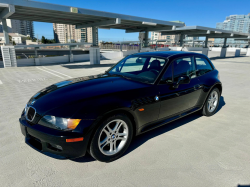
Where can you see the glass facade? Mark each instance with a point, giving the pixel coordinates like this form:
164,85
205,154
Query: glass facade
238,23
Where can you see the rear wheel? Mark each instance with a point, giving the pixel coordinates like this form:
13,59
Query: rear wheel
212,103
112,138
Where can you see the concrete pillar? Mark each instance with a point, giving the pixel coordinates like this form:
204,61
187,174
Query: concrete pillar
205,51
224,49
36,52
37,61
237,52
248,52
225,43
206,42
94,36
223,52
120,46
94,53
146,39
5,32
193,44
71,56
181,40
140,44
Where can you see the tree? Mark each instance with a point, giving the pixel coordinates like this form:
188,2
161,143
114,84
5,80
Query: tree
43,40
47,41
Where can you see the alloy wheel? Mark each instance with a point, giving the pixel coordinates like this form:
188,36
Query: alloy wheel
113,137
212,101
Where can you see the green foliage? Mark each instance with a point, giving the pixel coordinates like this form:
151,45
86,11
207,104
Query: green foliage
47,41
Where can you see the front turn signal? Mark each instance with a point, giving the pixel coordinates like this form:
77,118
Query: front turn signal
72,123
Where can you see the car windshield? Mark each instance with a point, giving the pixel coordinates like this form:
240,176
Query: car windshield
139,68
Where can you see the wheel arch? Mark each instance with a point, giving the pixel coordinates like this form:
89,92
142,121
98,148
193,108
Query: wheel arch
109,114
216,85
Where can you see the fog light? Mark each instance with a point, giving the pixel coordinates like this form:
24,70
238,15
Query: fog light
59,147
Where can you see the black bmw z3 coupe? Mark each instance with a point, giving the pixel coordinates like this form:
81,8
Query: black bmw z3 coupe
101,114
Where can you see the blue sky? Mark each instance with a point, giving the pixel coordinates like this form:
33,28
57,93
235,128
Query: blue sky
192,12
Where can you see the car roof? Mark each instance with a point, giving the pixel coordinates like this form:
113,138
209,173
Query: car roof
166,54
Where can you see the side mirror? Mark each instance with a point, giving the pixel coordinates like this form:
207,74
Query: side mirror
182,80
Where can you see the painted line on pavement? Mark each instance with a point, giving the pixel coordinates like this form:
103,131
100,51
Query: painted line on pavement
57,72
50,72
1,82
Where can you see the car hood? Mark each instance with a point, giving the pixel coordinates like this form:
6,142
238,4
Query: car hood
71,92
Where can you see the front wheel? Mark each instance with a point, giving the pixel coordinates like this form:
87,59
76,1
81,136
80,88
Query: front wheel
112,138
212,103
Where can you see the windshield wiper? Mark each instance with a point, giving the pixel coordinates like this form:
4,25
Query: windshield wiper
120,75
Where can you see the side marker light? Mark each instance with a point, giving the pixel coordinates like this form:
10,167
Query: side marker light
74,139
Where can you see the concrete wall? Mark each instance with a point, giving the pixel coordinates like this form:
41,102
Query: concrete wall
175,48
126,53
111,55
54,60
25,62
163,49
80,58
192,48
229,49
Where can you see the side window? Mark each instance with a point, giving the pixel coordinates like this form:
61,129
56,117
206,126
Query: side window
203,66
184,66
167,77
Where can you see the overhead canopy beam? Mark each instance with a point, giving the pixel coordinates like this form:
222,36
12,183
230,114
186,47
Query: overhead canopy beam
149,29
7,12
174,32
45,12
100,23
205,32
217,36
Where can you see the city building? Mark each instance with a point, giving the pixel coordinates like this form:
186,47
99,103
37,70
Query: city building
68,33
15,37
172,39
192,38
238,23
21,27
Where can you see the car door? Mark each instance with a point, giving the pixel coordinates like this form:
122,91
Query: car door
178,100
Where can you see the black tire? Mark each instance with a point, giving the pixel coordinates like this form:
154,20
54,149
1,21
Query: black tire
205,111
95,151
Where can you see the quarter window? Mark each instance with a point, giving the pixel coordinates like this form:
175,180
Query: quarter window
203,66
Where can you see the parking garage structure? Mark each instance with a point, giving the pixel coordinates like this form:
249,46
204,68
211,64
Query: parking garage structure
207,32
81,18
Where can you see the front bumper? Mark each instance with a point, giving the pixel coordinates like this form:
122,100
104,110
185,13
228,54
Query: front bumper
53,142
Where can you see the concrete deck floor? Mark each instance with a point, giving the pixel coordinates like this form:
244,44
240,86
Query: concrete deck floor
193,151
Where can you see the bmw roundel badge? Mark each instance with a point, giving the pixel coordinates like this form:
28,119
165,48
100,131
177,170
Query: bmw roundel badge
32,102
156,98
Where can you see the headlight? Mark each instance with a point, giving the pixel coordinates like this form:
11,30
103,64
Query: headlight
59,123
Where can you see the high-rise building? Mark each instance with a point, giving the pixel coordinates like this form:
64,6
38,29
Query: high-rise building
238,23
20,27
68,33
